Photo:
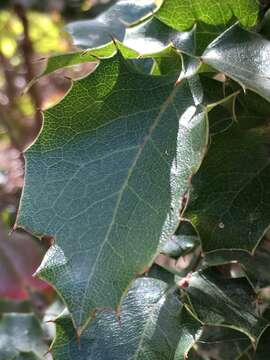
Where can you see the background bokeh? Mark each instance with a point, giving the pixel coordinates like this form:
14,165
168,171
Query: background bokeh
30,31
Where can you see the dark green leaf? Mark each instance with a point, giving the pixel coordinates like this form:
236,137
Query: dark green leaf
227,204
224,343
228,302
243,56
107,177
265,26
191,330
220,120
153,322
263,350
159,273
21,337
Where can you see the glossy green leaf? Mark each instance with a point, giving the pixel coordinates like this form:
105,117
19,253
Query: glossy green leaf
243,56
21,338
227,204
107,177
182,14
152,36
182,242
110,24
149,39
228,302
153,322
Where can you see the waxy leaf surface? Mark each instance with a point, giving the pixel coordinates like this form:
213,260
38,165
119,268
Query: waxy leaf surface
107,177
228,302
110,24
152,38
153,324
244,56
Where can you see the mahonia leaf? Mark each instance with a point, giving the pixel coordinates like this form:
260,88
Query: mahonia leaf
151,39
227,204
107,177
255,266
191,330
152,36
21,337
217,300
61,61
153,324
110,24
225,343
171,63
243,56
181,15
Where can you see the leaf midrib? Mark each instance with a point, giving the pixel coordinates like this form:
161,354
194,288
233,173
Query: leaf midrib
125,185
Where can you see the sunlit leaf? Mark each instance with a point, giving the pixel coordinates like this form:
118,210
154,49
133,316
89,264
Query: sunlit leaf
107,177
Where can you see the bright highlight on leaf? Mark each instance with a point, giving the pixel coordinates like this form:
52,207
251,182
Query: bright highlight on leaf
154,325
244,56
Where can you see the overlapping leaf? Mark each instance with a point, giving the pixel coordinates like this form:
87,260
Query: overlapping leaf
256,266
110,24
107,177
21,338
152,36
227,302
244,56
227,204
153,325
181,15
149,39
224,343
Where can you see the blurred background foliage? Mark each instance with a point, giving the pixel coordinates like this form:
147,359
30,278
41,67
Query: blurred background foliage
30,31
